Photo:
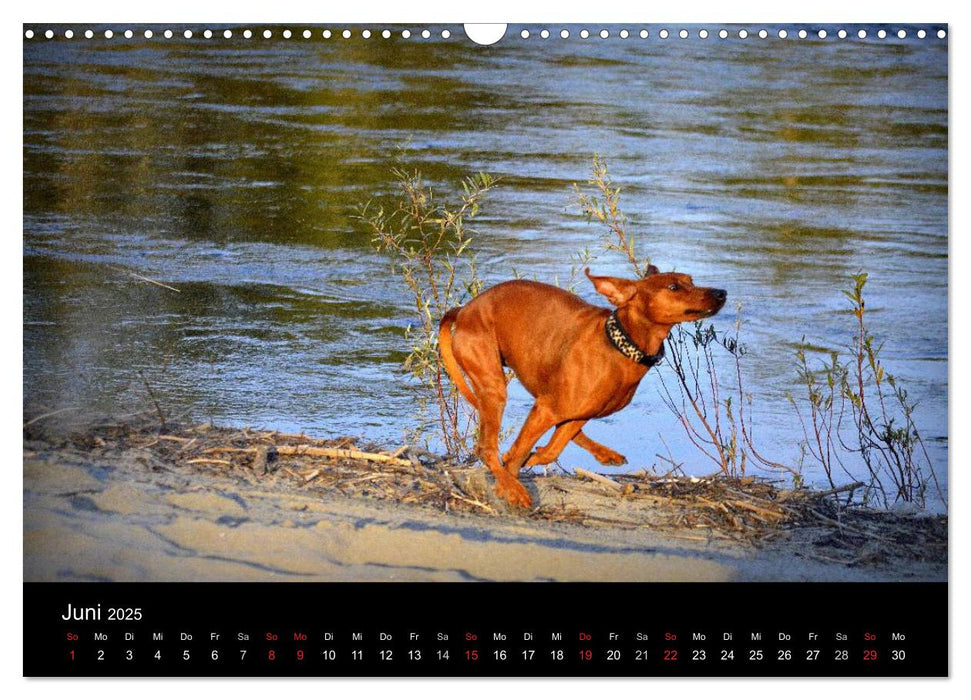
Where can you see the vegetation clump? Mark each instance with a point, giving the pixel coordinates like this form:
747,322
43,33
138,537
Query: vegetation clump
430,246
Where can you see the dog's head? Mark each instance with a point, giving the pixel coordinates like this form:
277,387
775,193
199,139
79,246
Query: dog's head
665,298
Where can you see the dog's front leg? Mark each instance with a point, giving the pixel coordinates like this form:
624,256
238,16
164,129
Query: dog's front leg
561,438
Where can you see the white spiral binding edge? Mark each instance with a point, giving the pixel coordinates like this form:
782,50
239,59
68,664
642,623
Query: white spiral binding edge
306,34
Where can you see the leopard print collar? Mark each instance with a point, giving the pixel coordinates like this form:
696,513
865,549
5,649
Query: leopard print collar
628,348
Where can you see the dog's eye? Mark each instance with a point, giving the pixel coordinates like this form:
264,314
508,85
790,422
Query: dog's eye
674,287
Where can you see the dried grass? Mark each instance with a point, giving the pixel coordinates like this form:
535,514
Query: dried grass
750,510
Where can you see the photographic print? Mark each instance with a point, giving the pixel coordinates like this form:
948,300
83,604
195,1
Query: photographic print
616,304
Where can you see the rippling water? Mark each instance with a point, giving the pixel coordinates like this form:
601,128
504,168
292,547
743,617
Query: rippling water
229,169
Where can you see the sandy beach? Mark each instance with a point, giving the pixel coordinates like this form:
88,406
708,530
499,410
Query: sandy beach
103,510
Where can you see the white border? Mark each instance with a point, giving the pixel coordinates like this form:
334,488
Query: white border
511,11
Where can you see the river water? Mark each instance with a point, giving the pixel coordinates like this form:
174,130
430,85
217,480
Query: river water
229,169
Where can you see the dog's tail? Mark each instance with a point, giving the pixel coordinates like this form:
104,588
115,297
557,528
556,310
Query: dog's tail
448,357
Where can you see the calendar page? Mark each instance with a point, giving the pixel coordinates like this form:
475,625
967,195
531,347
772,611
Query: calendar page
485,350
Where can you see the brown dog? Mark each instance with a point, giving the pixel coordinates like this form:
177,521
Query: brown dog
579,361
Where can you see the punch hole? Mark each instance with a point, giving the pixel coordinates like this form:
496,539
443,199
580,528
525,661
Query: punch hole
624,33
763,34
663,33
565,34
70,35
386,34
921,34
89,34
742,34
803,34
30,34
604,34
485,34
901,34
783,33
841,33
821,33
584,34
723,34
326,34
644,34
861,33
703,34
187,33
545,33
882,34
446,34
941,34
247,34
406,34
207,34
168,33
287,34
683,34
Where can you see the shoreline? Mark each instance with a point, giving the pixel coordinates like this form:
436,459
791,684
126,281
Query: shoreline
118,503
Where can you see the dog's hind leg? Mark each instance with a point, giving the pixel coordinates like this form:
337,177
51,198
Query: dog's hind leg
492,402
476,355
601,453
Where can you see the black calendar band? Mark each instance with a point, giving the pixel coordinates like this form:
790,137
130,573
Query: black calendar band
485,629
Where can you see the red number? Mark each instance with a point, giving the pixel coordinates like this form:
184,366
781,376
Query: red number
299,654
271,655
670,654
472,654
869,654
586,655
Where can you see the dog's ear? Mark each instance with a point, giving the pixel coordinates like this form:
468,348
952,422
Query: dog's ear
618,291
651,270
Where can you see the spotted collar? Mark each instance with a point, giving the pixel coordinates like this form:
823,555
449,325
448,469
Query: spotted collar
628,348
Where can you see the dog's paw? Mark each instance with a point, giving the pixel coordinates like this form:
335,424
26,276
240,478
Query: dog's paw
609,458
514,493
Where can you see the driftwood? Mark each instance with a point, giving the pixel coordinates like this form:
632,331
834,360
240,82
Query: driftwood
311,451
761,511
339,453
841,489
51,413
599,478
